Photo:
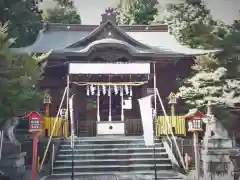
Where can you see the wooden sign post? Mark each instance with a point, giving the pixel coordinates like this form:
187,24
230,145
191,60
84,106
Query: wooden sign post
35,127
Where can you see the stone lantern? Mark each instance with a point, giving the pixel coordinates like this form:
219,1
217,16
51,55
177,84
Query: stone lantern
172,101
172,98
47,100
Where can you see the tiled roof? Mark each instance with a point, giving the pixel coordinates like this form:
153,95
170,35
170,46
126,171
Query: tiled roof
156,39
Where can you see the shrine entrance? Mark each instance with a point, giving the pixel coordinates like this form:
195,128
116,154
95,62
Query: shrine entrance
115,108
110,98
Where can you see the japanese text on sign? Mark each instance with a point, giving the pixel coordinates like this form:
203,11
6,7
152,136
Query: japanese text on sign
35,124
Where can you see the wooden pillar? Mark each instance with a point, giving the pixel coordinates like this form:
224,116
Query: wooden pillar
135,106
80,103
144,90
75,103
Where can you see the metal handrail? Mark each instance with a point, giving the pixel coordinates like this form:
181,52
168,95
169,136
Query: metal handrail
53,129
53,156
72,132
1,142
171,132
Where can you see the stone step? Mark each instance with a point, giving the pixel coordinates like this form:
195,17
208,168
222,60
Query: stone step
96,157
114,137
111,156
112,162
102,146
108,141
110,150
107,168
134,175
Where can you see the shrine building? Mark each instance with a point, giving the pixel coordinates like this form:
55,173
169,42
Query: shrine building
109,67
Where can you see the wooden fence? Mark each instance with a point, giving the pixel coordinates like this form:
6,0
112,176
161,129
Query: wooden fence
61,128
177,123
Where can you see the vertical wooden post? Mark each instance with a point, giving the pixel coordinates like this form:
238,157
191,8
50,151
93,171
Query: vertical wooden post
122,111
172,106
98,103
155,98
110,103
197,163
35,156
67,105
47,107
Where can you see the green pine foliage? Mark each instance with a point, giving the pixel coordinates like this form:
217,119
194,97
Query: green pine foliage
194,26
215,77
65,3
138,12
62,15
64,12
19,74
24,20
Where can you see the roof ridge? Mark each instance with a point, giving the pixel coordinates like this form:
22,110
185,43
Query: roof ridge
47,26
67,27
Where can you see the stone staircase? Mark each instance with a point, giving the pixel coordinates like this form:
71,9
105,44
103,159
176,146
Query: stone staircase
111,158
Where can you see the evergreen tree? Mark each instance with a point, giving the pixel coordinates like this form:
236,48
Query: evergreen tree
24,20
64,12
62,15
19,74
139,12
193,25
214,78
210,83
65,3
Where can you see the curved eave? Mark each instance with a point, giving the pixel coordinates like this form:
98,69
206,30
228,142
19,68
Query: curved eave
27,49
109,43
134,51
48,40
195,52
166,41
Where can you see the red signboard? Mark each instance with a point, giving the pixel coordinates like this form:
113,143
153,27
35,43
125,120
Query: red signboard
35,122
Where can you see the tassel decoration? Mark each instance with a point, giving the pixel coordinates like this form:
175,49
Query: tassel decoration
104,91
130,93
116,90
126,90
92,89
88,93
121,91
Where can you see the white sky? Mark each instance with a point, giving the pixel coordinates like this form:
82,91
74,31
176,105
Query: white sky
91,10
